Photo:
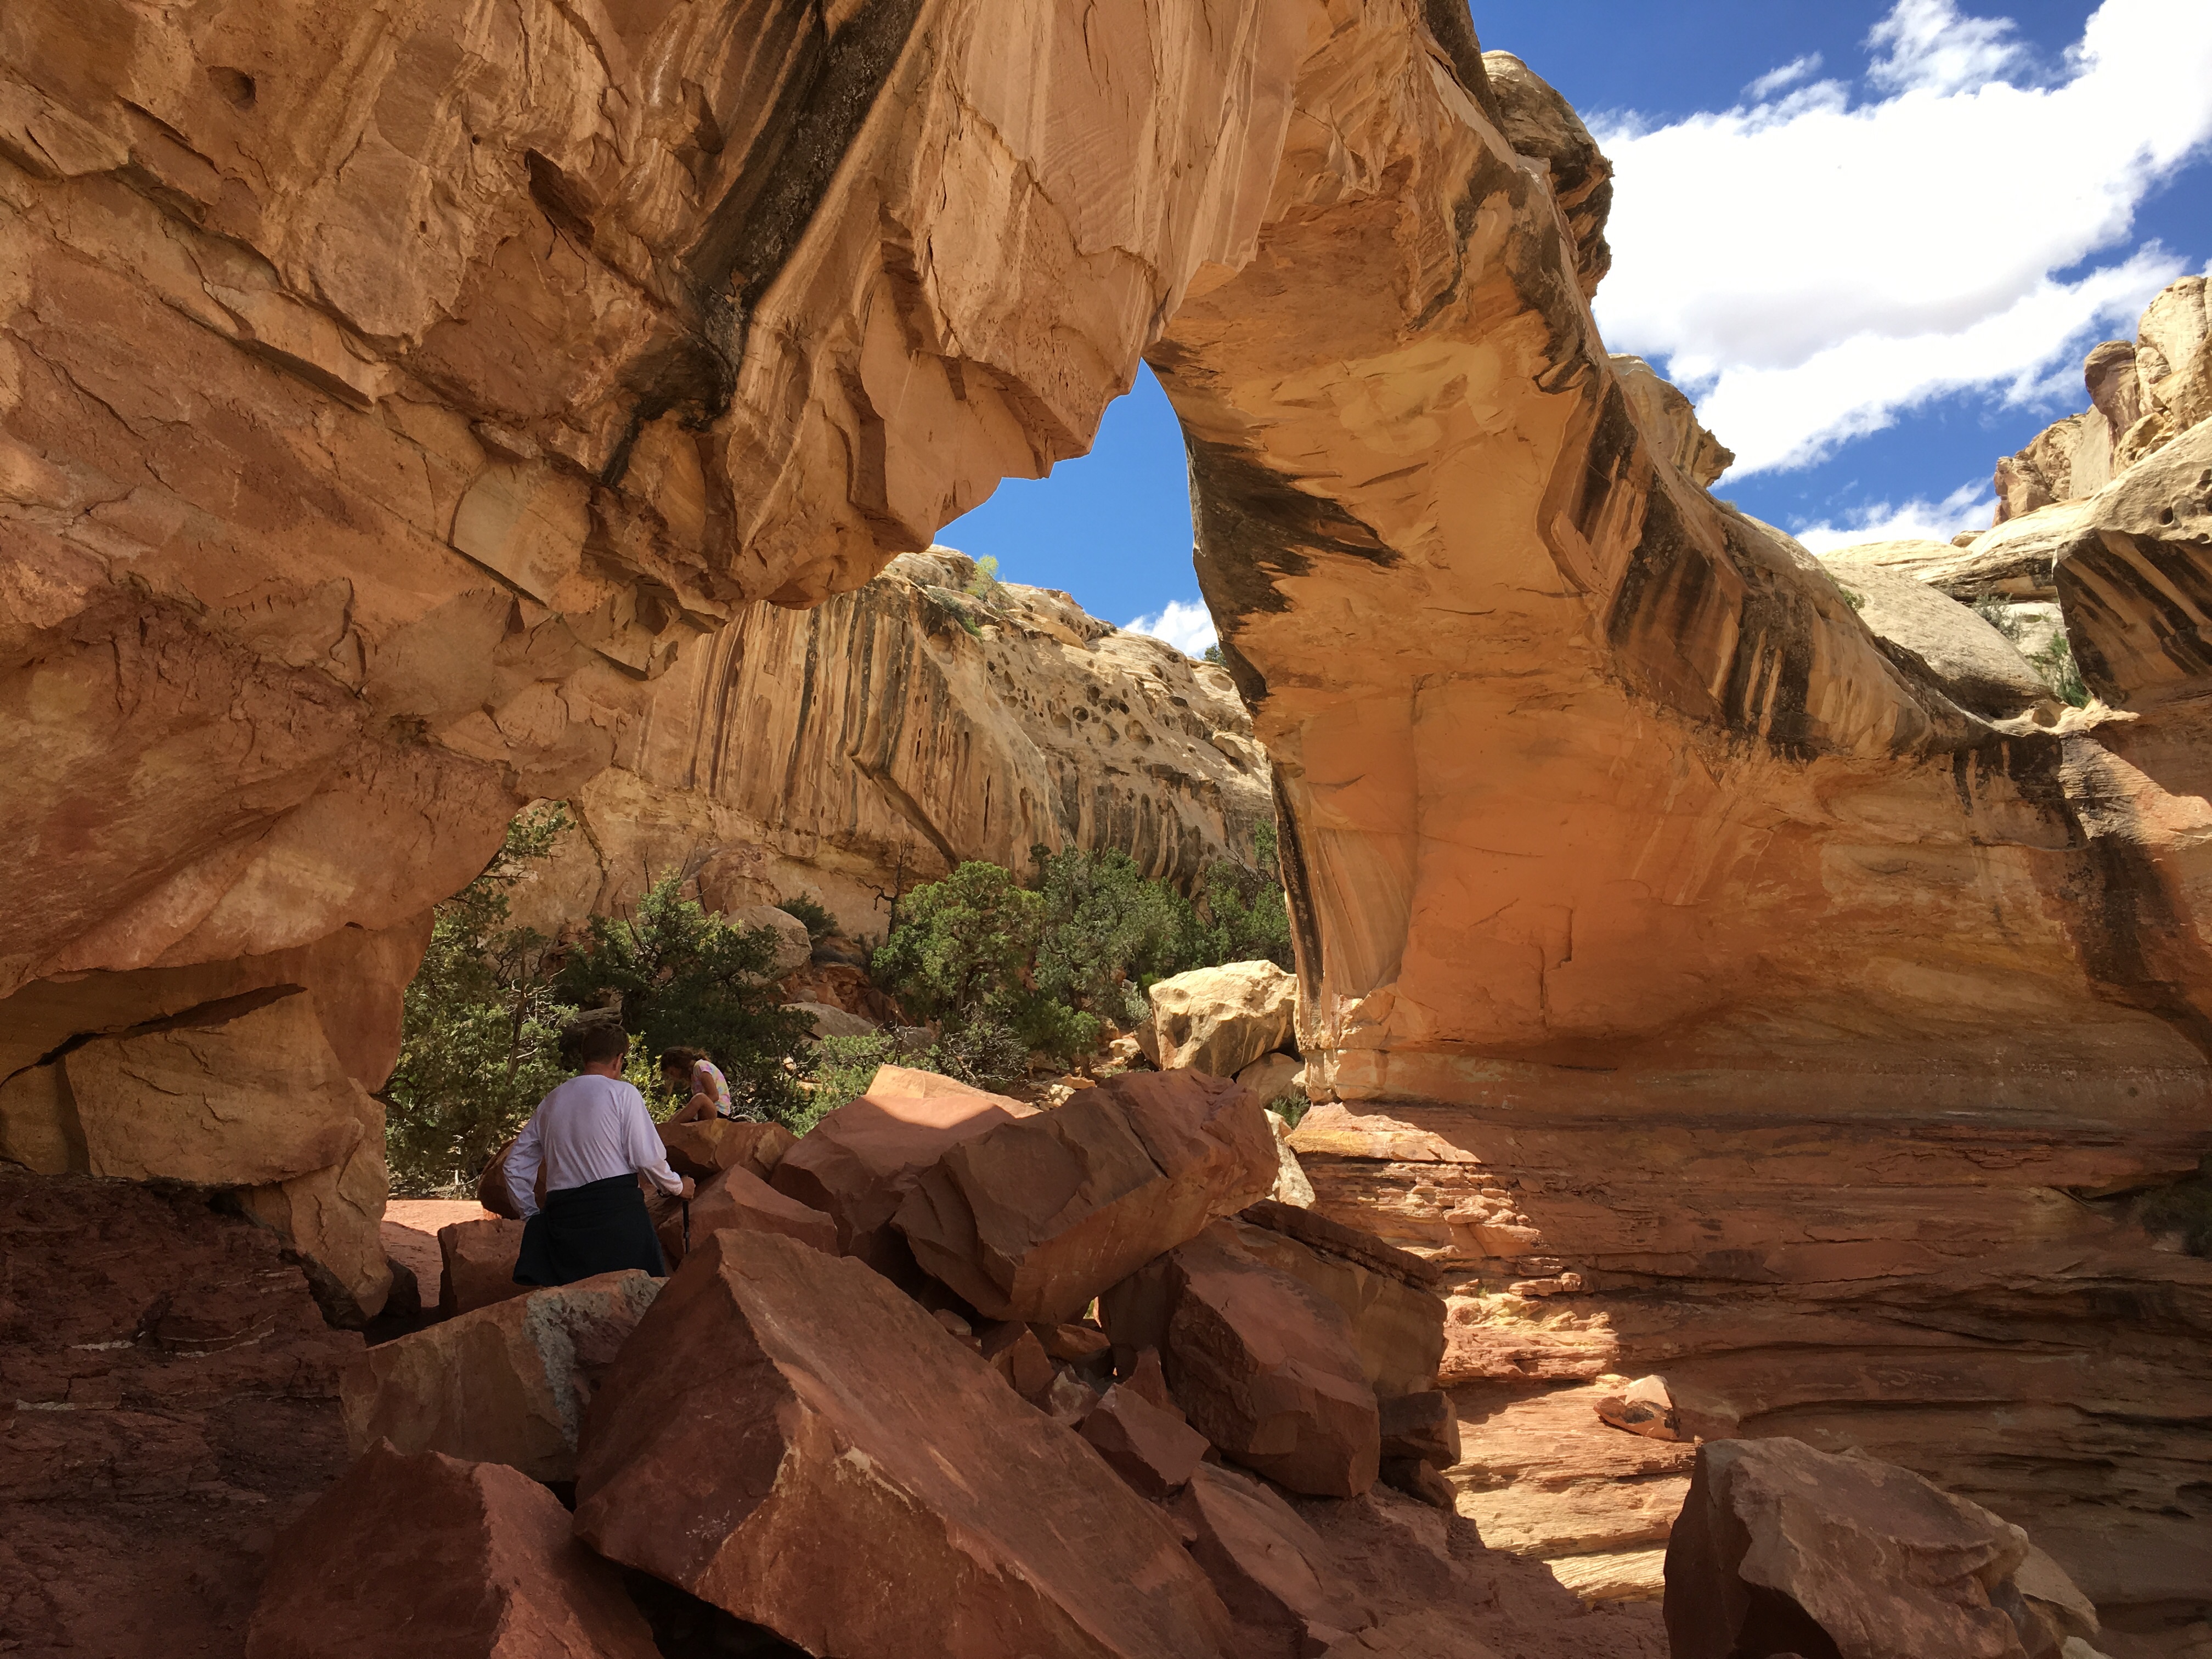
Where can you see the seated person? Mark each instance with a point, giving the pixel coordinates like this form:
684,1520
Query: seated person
595,1139
689,1072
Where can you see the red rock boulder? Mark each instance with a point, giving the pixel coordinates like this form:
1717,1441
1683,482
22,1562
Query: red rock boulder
741,1201
791,1438
704,1150
1397,1321
857,1164
1036,1218
1783,1549
1270,1567
503,1384
1153,1449
1261,1364
436,1559
477,1262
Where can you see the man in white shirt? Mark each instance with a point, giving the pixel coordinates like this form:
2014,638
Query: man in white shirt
594,1138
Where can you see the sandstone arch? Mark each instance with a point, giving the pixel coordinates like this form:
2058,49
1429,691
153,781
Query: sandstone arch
386,401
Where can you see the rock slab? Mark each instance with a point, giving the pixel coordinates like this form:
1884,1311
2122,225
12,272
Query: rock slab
1033,1219
858,1164
478,1262
740,1200
504,1384
1263,1366
779,1408
1783,1549
436,1559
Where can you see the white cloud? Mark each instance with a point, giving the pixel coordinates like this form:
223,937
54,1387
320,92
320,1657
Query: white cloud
1927,44
1788,75
1185,624
1970,507
1808,268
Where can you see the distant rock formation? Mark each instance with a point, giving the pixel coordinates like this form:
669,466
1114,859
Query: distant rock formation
892,733
2143,394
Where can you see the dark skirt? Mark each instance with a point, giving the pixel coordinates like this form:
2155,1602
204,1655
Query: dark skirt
600,1227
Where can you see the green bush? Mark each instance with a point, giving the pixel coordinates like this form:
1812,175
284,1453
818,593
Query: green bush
1007,970
962,943
684,976
820,924
843,1067
481,1018
1108,933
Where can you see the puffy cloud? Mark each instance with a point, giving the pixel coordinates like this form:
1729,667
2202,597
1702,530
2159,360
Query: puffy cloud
1810,267
1970,507
1788,75
1926,44
1185,624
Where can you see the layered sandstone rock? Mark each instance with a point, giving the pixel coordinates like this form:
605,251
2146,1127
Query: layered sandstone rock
889,734
168,1406
503,1384
778,1406
1841,1282
450,1560
246,1094
380,407
1035,1218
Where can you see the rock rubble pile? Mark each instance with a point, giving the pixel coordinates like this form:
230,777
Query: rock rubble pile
1033,1383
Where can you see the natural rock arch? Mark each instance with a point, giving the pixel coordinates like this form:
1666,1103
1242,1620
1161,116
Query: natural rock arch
385,401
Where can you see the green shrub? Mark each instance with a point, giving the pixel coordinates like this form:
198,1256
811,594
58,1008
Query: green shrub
842,1069
1290,1106
478,1029
820,924
962,943
683,976
1108,933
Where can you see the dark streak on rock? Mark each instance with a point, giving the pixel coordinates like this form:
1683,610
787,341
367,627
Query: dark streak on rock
753,230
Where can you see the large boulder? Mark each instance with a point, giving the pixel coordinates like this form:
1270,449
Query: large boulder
1396,1321
1035,1218
826,1020
1783,1549
780,1411
858,1164
739,1200
794,948
477,1261
505,1384
433,1558
1222,1019
1271,1568
2136,580
704,1148
1263,1365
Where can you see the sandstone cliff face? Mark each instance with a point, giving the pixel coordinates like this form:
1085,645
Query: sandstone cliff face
384,401
894,733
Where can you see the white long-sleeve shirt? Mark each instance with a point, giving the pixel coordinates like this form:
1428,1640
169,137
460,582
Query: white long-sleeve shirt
587,1129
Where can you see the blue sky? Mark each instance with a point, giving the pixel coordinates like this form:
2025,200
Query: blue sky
1873,241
